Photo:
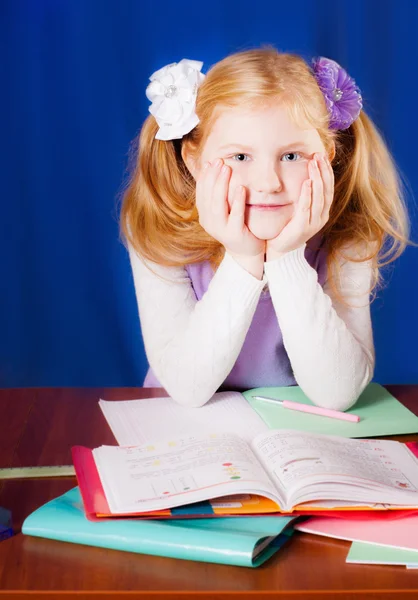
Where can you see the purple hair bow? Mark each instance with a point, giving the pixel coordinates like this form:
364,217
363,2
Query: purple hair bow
342,96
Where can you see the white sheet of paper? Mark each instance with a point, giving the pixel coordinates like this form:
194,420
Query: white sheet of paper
137,422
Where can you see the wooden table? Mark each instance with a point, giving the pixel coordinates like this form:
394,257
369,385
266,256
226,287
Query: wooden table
38,427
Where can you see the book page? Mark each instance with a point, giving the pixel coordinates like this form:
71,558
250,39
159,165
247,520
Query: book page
137,422
179,471
297,459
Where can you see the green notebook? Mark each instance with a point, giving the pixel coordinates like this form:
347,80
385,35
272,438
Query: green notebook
380,413
363,553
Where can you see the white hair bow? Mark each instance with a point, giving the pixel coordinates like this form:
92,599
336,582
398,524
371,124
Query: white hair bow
172,92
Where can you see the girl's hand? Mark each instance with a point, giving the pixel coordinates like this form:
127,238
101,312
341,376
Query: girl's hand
311,212
222,216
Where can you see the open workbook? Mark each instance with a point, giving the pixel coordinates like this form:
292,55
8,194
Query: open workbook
292,470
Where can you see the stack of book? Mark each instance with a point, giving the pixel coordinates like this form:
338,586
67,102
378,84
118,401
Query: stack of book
230,481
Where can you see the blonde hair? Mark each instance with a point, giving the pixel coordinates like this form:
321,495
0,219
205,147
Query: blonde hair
159,216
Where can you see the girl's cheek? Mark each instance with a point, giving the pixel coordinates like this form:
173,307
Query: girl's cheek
294,178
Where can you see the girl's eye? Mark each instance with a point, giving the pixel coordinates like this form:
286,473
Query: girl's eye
292,155
240,157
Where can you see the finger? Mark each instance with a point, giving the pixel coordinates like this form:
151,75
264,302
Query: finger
209,177
237,214
317,205
219,203
208,206
328,179
214,171
201,184
203,172
303,209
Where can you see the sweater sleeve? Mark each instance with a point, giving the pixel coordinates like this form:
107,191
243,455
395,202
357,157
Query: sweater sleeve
329,344
192,345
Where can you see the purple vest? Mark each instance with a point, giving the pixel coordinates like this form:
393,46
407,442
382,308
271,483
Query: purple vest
263,361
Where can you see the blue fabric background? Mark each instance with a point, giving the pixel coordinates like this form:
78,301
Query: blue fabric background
73,79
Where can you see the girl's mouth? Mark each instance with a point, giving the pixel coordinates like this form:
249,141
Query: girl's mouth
267,206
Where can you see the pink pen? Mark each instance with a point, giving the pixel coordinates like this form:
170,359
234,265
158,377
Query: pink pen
315,410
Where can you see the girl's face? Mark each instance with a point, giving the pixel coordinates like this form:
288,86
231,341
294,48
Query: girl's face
268,154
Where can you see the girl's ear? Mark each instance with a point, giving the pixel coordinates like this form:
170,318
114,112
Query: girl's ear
189,161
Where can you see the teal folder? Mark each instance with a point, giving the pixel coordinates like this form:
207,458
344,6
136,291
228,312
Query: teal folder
231,540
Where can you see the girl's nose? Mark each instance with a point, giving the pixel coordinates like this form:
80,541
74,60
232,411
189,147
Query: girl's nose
267,180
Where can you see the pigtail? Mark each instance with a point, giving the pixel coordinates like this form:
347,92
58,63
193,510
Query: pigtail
369,209
159,218
379,176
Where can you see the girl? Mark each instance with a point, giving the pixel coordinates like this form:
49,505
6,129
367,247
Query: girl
257,219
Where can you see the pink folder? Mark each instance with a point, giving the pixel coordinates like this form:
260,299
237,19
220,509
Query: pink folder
398,533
